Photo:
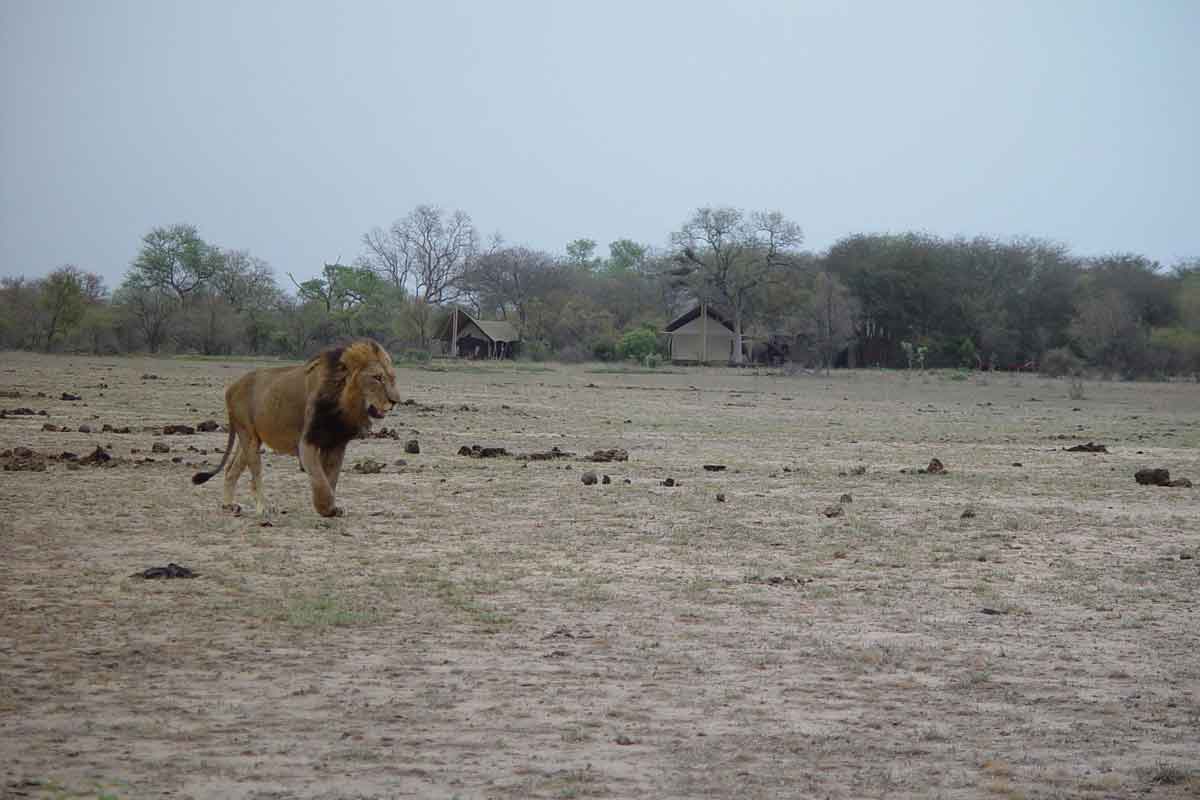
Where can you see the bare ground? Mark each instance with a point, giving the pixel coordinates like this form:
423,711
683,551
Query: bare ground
496,628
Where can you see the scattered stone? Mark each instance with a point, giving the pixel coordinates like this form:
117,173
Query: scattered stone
85,428
412,447
475,451
1017,464
171,570
588,478
833,511
384,433
992,611
96,458
150,376
71,397
936,467
861,469
612,454
67,455
720,497
368,466
23,459
10,393
400,462
721,468
670,482
547,455
1090,447
968,513
178,430
624,741
605,480
1153,477
846,498
208,426
122,429
23,412
51,427
160,447
1186,556
793,581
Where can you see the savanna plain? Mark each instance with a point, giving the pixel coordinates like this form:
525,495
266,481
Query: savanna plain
839,624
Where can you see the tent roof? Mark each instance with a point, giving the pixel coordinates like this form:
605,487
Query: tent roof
694,313
496,330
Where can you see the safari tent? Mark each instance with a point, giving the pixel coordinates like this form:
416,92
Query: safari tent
467,337
701,335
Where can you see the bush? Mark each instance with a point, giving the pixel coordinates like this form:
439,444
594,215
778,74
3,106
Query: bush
1059,362
638,343
416,356
651,360
604,348
535,350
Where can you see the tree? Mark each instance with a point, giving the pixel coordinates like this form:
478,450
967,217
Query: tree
1108,331
730,257
508,279
174,259
150,307
62,301
428,250
832,315
581,253
626,255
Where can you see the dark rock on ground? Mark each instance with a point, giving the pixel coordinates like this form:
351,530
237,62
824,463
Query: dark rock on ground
1090,447
160,447
368,466
833,511
96,457
604,479
670,482
69,396
612,454
475,451
588,478
208,426
171,570
178,430
547,455
714,467
1153,477
412,447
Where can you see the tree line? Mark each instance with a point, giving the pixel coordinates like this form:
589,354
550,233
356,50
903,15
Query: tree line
891,300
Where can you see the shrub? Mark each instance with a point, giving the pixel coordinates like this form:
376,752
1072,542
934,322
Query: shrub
1059,362
535,350
638,343
604,348
417,356
651,360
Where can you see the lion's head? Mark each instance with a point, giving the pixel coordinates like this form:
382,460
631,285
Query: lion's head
357,384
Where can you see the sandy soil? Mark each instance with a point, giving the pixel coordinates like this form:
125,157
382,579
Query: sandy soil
496,628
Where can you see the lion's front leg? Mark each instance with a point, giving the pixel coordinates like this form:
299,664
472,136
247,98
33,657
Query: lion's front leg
331,460
322,491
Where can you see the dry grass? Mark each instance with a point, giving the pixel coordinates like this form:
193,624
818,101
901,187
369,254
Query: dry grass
494,628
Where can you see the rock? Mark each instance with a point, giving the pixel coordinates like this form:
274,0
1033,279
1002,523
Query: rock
1153,477
208,426
149,376
846,498
714,467
670,482
833,511
1017,464
160,447
71,397
96,458
936,467
123,429
23,459
368,466
412,447
50,427
178,430
604,479
1183,483
968,513
10,393
400,462
612,454
547,455
588,478
161,573
720,497
1090,447
85,428
475,451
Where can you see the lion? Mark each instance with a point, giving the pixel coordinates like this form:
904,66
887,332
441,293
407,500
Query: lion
312,411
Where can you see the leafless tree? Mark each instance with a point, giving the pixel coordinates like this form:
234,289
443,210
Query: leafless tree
426,251
832,317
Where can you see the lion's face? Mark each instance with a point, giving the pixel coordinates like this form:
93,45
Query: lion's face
377,382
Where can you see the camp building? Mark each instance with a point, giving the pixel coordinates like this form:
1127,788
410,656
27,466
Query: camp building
701,335
467,337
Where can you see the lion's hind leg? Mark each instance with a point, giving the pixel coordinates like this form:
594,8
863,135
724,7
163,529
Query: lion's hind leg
232,475
253,460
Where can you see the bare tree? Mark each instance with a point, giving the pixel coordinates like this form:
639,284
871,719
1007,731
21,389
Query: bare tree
729,257
832,315
427,251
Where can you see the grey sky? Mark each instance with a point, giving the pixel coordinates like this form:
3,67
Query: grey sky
291,128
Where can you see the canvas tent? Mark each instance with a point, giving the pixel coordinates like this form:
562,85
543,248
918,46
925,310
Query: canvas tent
701,335
467,337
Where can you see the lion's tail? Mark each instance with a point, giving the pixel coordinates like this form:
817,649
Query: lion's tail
201,477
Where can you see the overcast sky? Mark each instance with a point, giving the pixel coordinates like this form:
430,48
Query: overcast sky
291,128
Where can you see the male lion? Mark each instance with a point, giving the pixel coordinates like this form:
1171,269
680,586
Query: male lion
312,411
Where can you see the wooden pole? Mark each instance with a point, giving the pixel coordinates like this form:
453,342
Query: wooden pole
454,334
703,333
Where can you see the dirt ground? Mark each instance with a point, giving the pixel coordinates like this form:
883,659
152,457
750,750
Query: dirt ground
1023,625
